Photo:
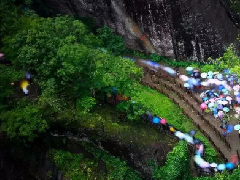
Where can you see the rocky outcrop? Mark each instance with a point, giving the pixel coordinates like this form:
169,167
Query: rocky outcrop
193,30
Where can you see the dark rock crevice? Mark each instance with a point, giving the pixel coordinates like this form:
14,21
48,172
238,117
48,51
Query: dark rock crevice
193,30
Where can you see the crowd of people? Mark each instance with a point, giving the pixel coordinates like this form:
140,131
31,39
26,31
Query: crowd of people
220,93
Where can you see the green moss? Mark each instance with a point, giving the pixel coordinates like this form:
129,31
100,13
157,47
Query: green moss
106,120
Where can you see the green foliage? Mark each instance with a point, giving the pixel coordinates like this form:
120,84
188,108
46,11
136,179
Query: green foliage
7,76
207,68
23,121
177,165
118,170
112,42
9,14
78,166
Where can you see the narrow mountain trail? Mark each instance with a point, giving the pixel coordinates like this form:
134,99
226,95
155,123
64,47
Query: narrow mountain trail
190,103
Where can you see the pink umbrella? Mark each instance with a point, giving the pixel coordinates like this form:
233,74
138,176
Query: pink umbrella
203,106
1,54
220,114
163,121
183,77
201,148
212,100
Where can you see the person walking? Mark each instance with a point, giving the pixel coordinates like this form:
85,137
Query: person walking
224,131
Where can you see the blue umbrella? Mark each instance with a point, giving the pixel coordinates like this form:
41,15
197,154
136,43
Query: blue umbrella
196,141
156,120
220,87
204,99
221,167
186,85
226,109
229,128
216,94
227,71
229,165
192,133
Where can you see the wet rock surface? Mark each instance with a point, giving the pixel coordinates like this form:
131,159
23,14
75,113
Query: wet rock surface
193,30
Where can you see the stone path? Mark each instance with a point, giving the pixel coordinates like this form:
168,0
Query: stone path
207,124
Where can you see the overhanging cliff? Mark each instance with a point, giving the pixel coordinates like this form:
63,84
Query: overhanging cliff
182,29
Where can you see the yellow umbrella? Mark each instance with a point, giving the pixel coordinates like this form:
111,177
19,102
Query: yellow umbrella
24,84
172,129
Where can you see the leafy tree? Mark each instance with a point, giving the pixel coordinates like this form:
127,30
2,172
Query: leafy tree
113,43
24,121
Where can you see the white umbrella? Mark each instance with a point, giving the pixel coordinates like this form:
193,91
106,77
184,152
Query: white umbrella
237,127
236,87
189,68
169,70
214,165
189,139
204,164
180,135
222,102
204,83
236,116
229,98
236,93
203,75
198,159
183,77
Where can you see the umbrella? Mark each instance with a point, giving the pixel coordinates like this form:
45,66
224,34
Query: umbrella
226,109
204,164
183,77
198,160
189,139
220,87
220,114
156,120
203,75
236,116
204,83
172,129
229,98
180,135
210,105
1,54
189,68
196,141
163,121
24,84
220,77
229,165
186,85
169,70
229,128
224,102
221,167
214,165
203,106
220,106
234,159
236,87
237,127
192,133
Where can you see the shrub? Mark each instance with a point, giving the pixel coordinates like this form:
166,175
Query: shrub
177,165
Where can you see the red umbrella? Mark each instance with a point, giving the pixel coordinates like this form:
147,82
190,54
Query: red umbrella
234,159
163,121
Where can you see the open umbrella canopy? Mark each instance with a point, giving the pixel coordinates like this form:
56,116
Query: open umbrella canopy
234,159
204,83
156,120
186,85
229,128
203,106
183,77
225,109
203,75
220,77
198,160
237,127
189,139
221,167
214,165
196,141
229,165
229,98
189,69
1,54
236,87
163,121
204,164
169,70
192,133
180,135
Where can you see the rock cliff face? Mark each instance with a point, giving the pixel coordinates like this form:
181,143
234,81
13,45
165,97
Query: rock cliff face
182,29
